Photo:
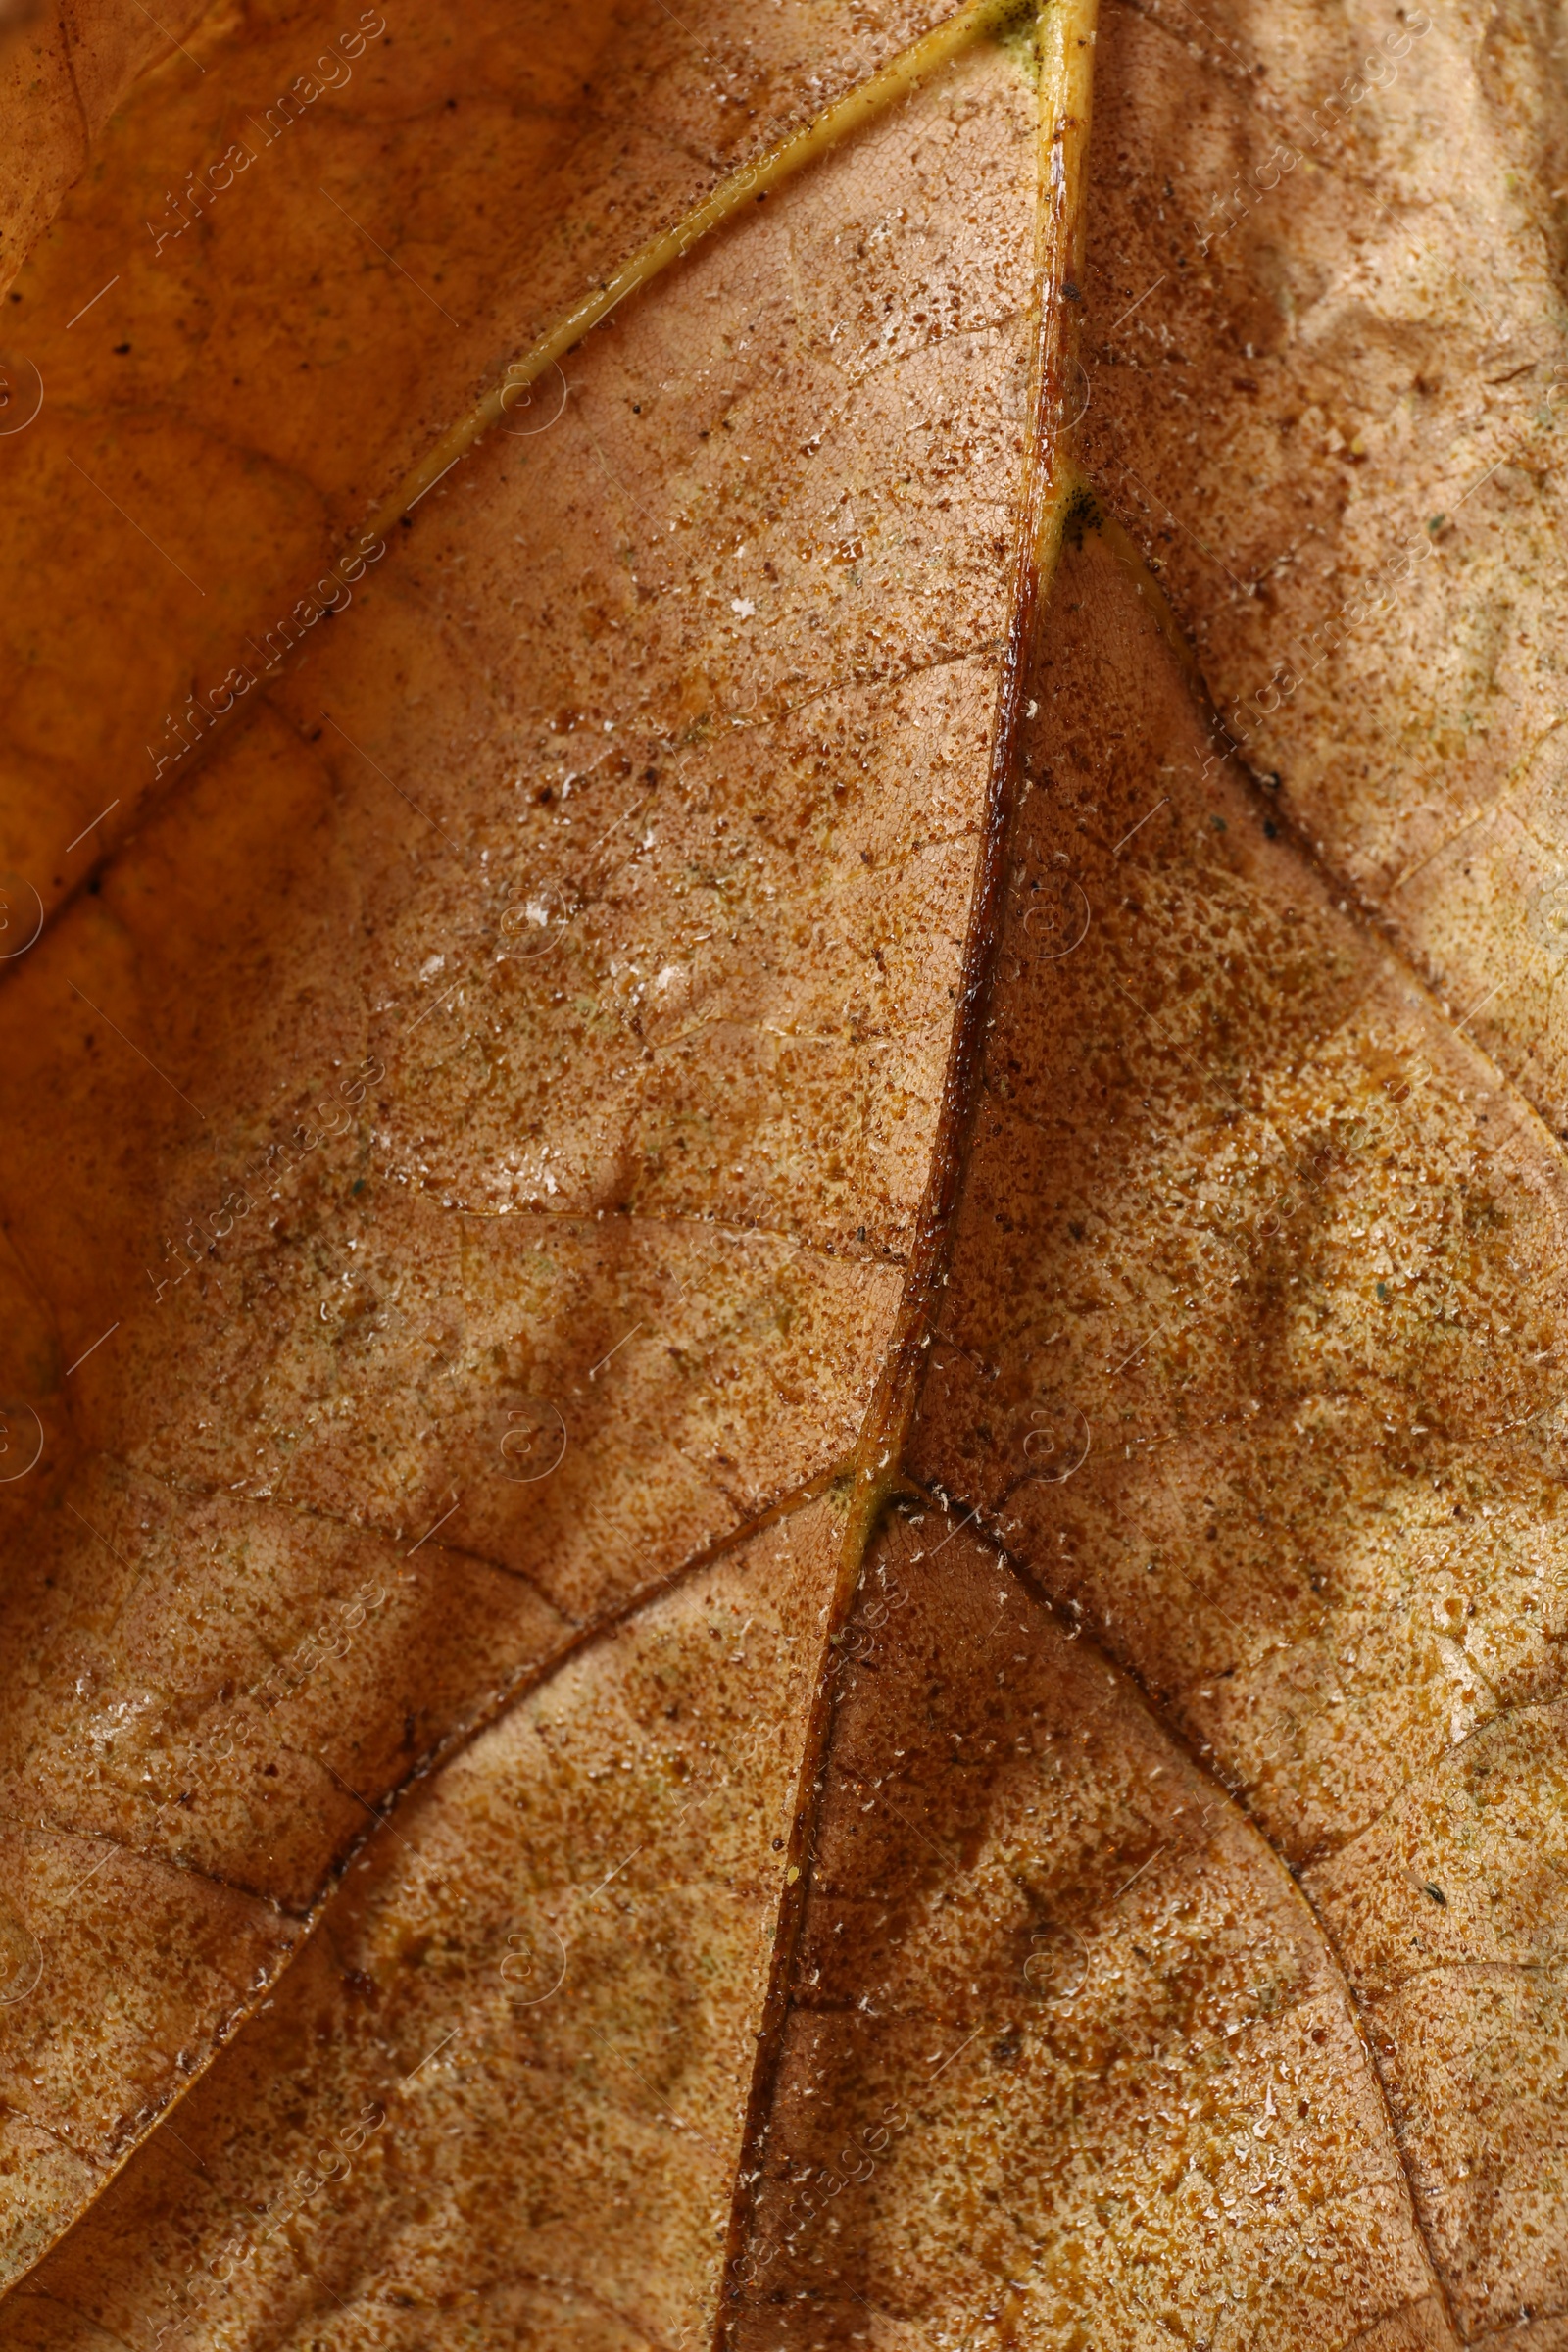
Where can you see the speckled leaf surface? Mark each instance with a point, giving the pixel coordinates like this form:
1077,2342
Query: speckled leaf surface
778,1311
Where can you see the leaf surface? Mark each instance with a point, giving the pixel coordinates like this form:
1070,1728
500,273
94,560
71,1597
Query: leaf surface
792,1574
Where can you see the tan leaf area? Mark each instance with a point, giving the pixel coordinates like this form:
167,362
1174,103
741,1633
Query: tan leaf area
582,1903
1326,303
1069,2056
781,1243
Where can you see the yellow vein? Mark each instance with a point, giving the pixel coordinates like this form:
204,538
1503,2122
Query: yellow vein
790,155
1065,42
748,184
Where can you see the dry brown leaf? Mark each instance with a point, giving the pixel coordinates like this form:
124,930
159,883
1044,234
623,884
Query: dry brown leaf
781,1358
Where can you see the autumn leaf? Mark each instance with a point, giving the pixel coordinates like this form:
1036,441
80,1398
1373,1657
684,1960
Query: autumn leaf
783,1211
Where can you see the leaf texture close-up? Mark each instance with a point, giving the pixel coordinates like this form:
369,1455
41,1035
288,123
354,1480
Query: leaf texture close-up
783,1220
